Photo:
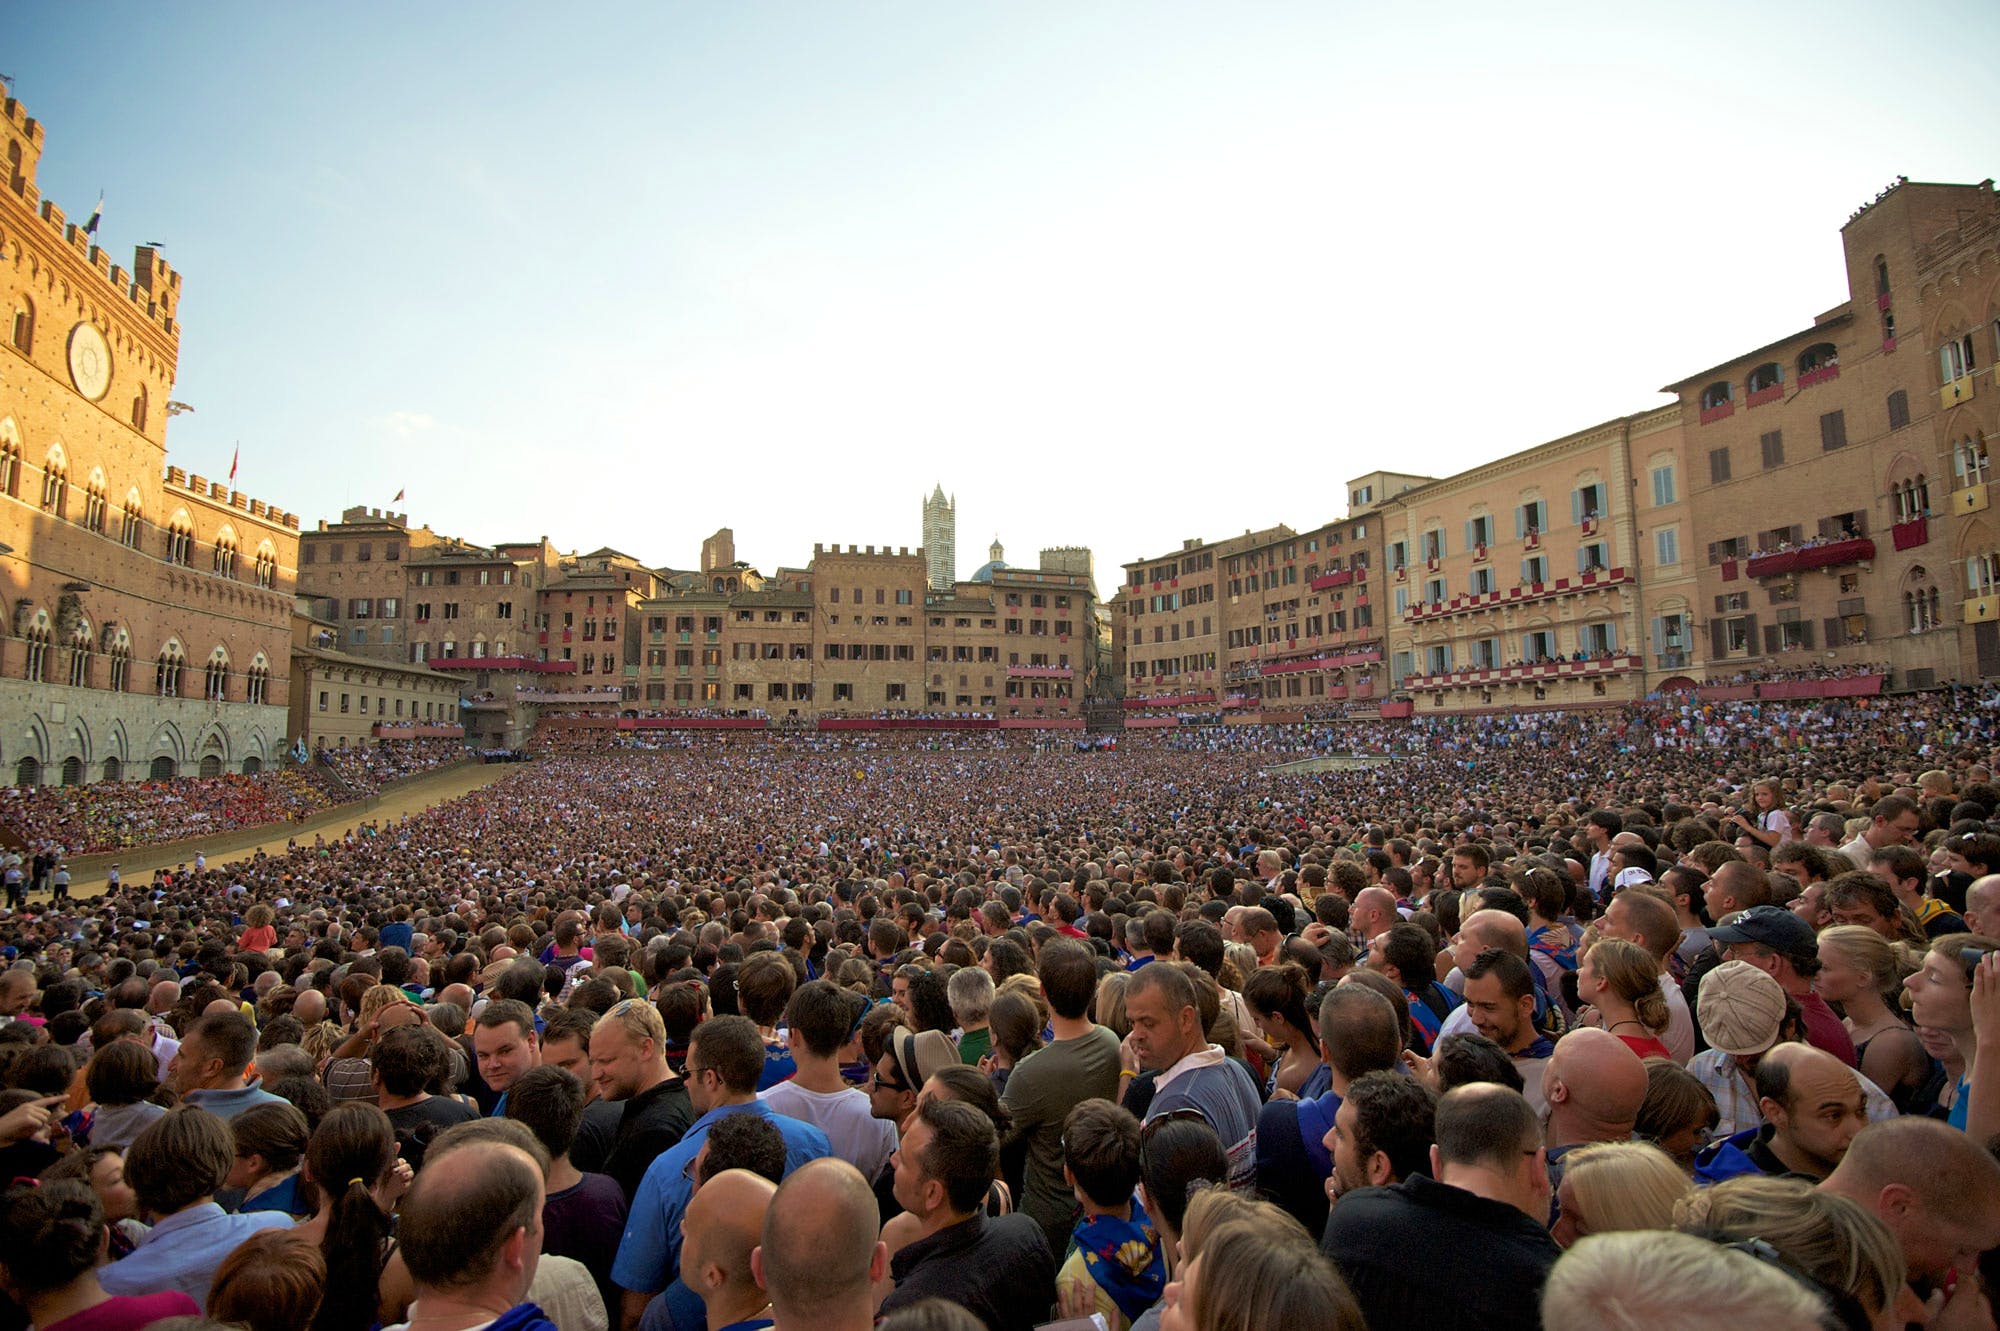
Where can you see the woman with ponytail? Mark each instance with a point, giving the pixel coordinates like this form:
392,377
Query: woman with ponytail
1277,998
52,1237
1622,981
355,1180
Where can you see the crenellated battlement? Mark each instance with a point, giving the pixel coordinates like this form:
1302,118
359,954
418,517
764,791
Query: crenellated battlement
886,552
219,493
152,288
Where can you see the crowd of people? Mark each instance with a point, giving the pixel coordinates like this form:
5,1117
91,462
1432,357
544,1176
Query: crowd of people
1653,1017
117,815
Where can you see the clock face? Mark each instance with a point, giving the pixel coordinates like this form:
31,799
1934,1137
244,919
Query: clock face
89,361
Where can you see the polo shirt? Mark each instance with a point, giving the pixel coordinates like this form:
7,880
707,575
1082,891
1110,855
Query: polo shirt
649,1255
227,1104
1424,1253
182,1251
997,1268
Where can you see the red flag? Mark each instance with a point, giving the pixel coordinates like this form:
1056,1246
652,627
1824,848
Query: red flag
232,465
398,499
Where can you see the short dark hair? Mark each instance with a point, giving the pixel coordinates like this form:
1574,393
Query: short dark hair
406,1058
550,1101
1068,972
764,984
508,1011
1516,981
122,1073
734,1048
1201,942
823,1016
180,1158
1100,1142
963,1152
1484,1124
744,1141
1409,948
1467,1056
1396,1115
228,1036
569,1022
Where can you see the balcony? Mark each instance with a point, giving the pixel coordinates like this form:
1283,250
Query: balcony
1336,662
589,697
500,663
1036,672
1763,395
1829,555
1721,411
1537,591
1909,535
1340,577
1820,375
1596,667
1957,391
413,730
1171,700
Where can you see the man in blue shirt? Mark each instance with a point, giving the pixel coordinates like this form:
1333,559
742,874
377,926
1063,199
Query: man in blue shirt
175,1167
725,1059
208,1068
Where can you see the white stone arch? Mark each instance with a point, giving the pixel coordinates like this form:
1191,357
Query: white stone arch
56,456
167,742
116,743
76,744
211,747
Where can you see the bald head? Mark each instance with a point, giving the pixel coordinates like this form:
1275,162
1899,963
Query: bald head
1374,910
820,1253
1982,905
310,1007
1936,1189
1496,928
459,994
165,994
724,1225
1594,1084
221,1007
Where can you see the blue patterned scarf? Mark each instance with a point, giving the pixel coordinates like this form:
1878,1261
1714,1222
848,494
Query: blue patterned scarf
1124,1258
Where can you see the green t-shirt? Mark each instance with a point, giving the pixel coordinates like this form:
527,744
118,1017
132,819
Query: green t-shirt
975,1045
1041,1091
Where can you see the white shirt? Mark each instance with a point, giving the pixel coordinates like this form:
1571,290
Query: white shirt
857,1136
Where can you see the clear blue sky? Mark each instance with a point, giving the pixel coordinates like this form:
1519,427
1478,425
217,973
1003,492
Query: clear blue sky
622,275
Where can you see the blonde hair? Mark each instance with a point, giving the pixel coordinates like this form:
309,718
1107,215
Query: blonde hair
322,1040
375,999
1886,964
1240,960
1638,1281
639,1019
1207,1211
1110,1004
1835,1241
1634,976
1625,1185
1263,1270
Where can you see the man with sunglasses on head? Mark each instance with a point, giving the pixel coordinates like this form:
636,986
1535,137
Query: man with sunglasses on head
628,1067
725,1059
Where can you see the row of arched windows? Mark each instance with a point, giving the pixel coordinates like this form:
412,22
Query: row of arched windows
178,546
39,665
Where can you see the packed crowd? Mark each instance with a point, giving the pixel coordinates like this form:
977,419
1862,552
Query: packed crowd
117,815
1668,1016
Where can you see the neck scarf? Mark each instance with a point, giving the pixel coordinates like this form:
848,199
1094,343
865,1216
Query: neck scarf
1124,1258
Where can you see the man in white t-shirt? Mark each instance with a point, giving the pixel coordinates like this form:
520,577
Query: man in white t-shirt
825,1023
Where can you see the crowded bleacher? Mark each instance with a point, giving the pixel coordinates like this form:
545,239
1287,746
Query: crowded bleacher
1667,1015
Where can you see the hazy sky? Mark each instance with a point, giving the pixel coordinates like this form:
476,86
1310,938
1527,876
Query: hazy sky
1116,274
